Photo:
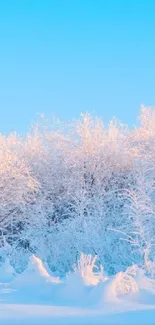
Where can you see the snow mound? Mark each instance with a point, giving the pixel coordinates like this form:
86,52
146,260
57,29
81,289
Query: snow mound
73,289
124,284
146,287
131,285
118,288
7,273
35,274
79,283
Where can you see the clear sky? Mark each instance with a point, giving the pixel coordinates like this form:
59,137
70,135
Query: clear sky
64,57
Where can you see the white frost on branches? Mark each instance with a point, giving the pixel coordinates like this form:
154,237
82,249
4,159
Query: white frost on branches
80,188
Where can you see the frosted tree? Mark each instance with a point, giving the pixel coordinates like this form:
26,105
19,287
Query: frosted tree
81,186
16,186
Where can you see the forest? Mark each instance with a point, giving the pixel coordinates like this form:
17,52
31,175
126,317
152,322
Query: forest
81,186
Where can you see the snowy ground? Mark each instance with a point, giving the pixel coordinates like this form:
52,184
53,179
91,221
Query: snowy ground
35,297
48,315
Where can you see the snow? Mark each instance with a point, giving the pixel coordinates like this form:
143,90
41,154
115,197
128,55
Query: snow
35,274
36,297
67,189
6,272
50,315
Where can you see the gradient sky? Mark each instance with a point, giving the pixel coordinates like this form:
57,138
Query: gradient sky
64,57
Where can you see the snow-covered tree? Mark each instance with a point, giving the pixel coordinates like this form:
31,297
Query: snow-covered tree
82,187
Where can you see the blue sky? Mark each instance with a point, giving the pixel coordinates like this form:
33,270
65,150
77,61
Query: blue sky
64,57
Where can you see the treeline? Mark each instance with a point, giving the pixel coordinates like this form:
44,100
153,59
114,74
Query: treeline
81,187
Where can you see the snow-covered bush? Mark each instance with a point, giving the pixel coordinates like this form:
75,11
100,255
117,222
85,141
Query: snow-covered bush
124,284
85,275
87,269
